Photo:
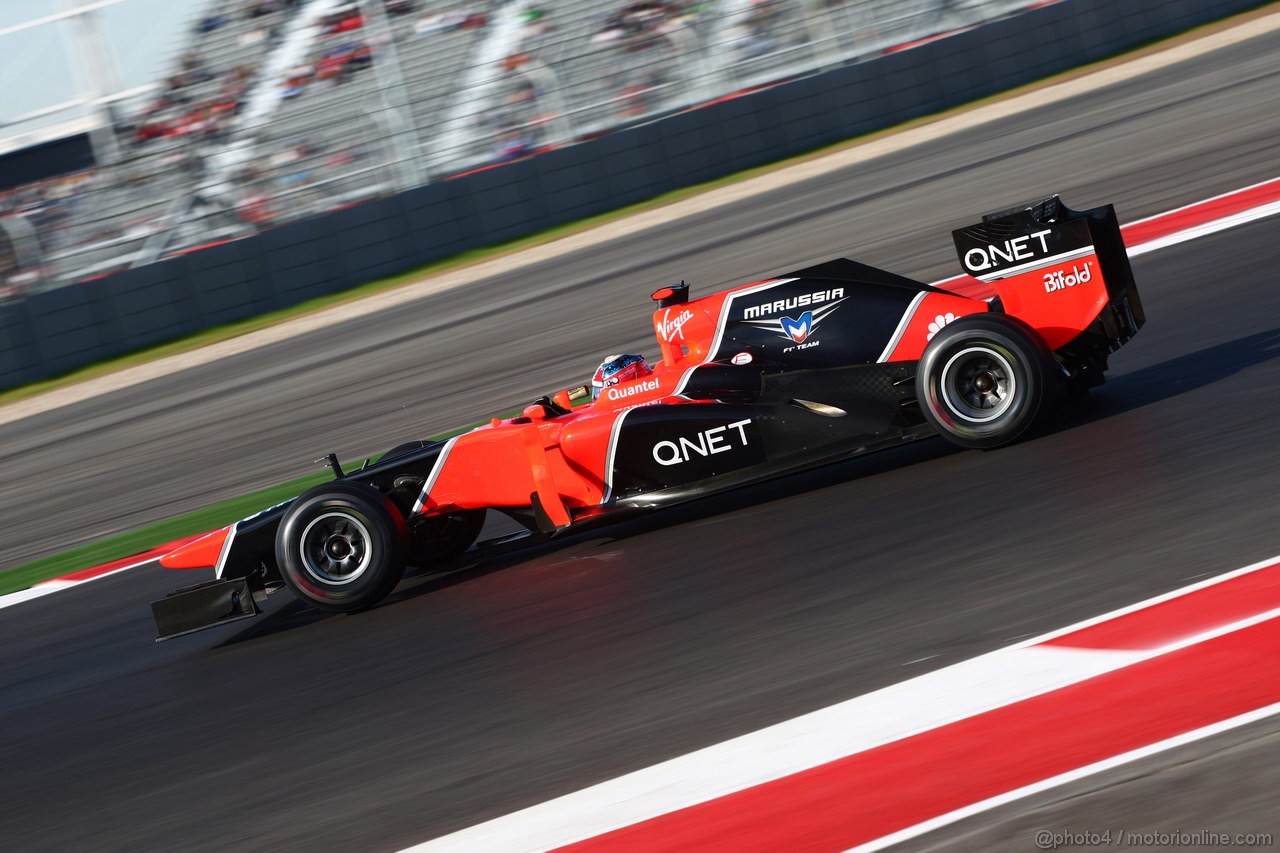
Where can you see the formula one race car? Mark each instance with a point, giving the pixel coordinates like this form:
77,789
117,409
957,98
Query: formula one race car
763,379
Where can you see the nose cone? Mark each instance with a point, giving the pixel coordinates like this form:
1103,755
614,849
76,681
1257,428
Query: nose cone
200,554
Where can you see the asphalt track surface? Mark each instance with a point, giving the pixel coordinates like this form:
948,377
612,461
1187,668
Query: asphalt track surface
539,673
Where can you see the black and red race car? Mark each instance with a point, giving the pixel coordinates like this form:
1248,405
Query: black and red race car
759,380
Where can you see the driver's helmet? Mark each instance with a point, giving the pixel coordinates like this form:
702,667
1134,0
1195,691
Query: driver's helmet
618,368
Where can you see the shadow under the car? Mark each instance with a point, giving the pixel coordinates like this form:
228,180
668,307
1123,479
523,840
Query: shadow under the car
292,614
1123,393
1168,379
478,563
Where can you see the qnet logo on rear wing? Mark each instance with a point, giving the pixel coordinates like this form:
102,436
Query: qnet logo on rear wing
1063,272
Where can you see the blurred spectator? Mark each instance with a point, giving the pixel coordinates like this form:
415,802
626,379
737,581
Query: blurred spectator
262,8
344,20
450,19
193,70
513,143
440,22
18,284
344,156
297,149
257,35
296,78
339,62
177,113
537,23
49,205
639,96
754,34
638,25
255,208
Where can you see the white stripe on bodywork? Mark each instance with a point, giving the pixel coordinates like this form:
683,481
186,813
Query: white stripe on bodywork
902,326
684,380
226,551
612,452
434,475
728,303
721,322
1037,264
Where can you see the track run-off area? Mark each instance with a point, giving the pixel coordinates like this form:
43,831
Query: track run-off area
947,650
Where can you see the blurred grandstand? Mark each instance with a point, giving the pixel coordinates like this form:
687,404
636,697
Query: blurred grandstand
274,110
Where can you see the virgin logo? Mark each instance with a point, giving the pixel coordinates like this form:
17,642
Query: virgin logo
672,328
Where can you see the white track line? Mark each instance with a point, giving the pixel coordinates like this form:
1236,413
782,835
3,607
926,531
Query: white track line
37,591
947,695
911,707
1204,230
1070,776
58,584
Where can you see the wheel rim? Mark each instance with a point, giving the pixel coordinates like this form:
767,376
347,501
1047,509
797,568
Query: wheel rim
978,384
335,548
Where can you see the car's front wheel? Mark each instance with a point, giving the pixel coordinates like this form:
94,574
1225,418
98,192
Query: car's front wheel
984,380
341,546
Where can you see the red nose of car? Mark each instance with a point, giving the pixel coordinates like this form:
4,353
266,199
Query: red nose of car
200,554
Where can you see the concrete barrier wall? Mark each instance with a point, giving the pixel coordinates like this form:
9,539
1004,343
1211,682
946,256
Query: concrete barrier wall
57,331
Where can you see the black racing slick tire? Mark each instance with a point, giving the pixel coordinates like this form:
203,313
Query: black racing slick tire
341,547
984,380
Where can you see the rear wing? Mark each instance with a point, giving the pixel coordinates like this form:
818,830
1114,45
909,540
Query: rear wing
1064,272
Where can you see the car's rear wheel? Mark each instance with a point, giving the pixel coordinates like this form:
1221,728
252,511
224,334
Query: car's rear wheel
341,546
984,380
